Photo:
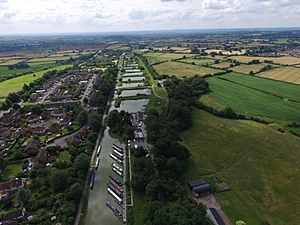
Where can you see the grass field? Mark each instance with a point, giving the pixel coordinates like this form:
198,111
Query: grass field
154,57
198,61
47,59
287,91
11,62
246,69
284,60
221,65
260,165
252,102
4,71
183,70
12,170
288,74
17,83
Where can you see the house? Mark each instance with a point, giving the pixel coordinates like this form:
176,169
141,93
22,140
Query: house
199,187
26,131
46,115
138,135
66,119
32,118
4,132
54,128
39,130
4,195
42,159
12,185
33,144
13,217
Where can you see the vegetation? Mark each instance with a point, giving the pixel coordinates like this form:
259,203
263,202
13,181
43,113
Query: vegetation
245,157
288,74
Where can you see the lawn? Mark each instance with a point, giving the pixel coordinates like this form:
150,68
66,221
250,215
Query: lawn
183,70
252,102
260,164
17,83
12,170
288,74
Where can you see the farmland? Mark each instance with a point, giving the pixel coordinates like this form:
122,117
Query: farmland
245,158
284,60
288,74
254,102
221,65
199,62
11,62
160,57
246,69
17,83
47,59
183,70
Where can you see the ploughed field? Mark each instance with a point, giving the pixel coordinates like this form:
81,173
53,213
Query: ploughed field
260,164
254,96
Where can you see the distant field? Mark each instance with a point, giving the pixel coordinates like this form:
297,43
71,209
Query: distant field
17,83
198,61
284,60
246,69
47,59
4,71
260,165
289,74
287,91
183,70
252,102
154,57
226,52
11,62
221,65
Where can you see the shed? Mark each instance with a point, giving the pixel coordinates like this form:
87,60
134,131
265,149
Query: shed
199,187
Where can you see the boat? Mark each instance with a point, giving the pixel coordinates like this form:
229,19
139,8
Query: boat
99,150
115,196
119,149
117,172
97,163
117,167
92,179
116,159
115,211
120,183
117,186
118,154
114,189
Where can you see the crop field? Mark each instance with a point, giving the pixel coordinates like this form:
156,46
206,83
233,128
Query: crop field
287,91
264,179
183,70
199,62
47,59
284,60
226,52
160,57
11,62
288,74
251,102
17,83
4,71
246,69
221,65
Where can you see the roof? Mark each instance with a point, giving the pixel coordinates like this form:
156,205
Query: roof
195,183
217,216
11,184
15,215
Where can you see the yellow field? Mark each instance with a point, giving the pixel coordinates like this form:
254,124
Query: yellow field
284,60
288,74
246,69
198,61
243,51
183,70
11,62
221,65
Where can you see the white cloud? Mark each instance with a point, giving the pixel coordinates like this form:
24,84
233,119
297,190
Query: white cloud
36,16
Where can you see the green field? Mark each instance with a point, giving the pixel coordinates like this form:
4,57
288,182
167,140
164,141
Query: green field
254,102
48,59
12,170
260,164
4,71
183,70
17,83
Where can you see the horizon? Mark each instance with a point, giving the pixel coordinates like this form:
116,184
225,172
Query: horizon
85,16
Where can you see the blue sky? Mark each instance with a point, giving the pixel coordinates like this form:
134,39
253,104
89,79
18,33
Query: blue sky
47,16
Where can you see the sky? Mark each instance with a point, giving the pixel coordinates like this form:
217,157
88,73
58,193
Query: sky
64,16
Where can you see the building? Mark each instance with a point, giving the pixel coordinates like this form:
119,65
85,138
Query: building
199,187
12,185
13,217
214,216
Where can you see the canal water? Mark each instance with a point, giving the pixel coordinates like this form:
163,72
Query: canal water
98,213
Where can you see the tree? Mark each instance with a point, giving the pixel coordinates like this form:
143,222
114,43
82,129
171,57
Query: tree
23,196
59,180
3,163
96,122
82,118
75,192
81,164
